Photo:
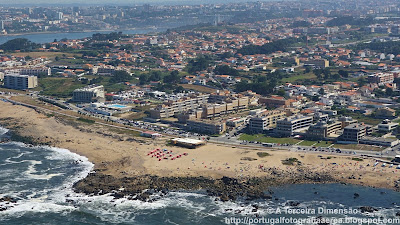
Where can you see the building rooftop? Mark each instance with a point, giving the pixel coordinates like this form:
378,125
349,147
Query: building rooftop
188,140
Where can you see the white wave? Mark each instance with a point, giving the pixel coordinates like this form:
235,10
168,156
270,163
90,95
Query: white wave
20,208
20,144
3,130
124,210
53,199
9,161
385,213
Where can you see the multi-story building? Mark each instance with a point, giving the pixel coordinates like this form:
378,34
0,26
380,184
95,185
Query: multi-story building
20,82
293,124
206,127
346,120
36,71
266,121
274,101
353,133
318,63
107,71
323,129
381,78
203,103
91,93
170,108
387,126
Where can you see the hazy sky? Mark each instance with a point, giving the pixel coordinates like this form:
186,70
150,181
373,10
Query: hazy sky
110,2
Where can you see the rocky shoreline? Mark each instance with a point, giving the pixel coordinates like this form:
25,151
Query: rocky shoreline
121,169
224,189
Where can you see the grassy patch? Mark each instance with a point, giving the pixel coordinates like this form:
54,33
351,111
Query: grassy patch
248,159
307,143
324,144
133,116
86,120
263,154
357,159
44,54
59,87
290,161
266,139
12,90
299,77
357,147
198,88
50,115
125,131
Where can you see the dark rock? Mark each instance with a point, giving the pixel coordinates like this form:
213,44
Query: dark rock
356,195
8,199
293,204
368,209
229,181
224,198
118,195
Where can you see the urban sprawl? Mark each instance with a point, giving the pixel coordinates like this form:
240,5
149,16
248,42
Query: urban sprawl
311,74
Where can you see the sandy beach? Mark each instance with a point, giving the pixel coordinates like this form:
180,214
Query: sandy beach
123,155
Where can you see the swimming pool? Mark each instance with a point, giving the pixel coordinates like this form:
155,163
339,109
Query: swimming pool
118,106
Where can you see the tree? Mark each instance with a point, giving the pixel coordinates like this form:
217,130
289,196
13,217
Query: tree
120,76
172,78
336,76
315,98
179,89
278,45
21,44
327,73
225,70
143,78
281,92
318,73
321,91
155,76
389,91
199,64
361,81
343,73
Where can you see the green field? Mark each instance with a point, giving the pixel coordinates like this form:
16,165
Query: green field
63,87
58,87
299,77
357,147
266,139
307,143
323,144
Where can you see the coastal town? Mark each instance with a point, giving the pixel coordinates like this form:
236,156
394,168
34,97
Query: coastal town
305,94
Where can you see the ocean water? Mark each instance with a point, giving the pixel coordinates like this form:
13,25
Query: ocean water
41,179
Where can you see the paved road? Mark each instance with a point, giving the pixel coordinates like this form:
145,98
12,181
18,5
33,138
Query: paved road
233,141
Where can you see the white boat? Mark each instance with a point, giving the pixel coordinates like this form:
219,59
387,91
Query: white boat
391,165
375,164
383,165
